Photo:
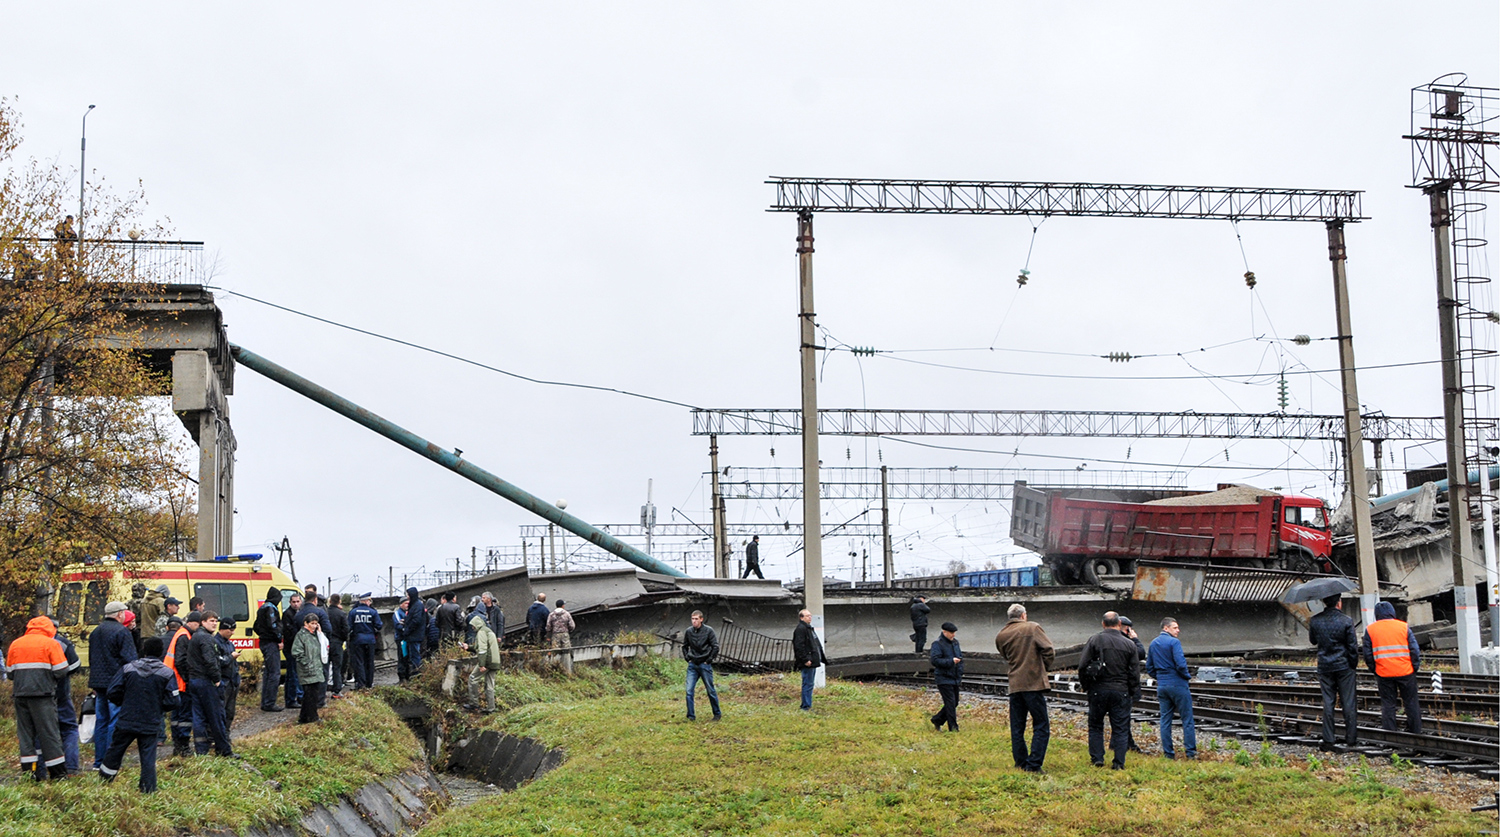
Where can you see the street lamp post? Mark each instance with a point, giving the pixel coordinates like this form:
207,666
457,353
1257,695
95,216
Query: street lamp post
83,144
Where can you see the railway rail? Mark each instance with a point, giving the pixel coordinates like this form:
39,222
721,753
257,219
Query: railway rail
1243,710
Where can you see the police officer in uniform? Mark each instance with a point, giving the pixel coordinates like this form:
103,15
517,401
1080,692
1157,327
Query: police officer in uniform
364,634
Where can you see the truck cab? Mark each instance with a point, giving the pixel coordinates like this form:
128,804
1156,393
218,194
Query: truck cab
1306,540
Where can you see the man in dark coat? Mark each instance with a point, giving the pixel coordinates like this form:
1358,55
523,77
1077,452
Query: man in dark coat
1338,658
700,645
1029,653
229,669
947,673
536,618
495,614
205,677
338,639
290,625
110,647
1116,687
144,689
919,611
752,558
268,633
807,652
1127,629
450,621
364,634
67,716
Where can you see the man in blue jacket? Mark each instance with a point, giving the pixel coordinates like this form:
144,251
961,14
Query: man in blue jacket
1166,662
411,631
947,660
67,718
111,647
143,690
536,618
1338,654
364,634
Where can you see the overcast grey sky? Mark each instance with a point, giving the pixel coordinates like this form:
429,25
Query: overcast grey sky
575,192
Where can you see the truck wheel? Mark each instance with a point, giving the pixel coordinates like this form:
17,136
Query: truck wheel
1095,568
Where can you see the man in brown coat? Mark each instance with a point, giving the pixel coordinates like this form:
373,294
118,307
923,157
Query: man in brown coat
1028,650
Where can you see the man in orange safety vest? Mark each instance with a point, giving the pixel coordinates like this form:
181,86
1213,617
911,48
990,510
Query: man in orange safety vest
1390,650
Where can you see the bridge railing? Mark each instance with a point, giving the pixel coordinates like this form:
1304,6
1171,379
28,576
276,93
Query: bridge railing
110,260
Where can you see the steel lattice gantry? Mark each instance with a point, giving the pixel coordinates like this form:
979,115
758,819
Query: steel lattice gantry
840,422
981,197
693,530
930,483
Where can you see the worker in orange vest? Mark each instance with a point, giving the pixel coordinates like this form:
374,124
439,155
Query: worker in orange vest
176,660
1390,650
36,665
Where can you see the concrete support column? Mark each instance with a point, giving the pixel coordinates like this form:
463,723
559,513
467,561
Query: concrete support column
812,515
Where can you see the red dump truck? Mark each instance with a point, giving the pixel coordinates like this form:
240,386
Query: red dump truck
1083,534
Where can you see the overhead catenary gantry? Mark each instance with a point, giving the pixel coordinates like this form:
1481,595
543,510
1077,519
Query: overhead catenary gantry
1332,208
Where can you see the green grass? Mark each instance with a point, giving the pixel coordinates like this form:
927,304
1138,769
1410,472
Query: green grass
285,770
867,762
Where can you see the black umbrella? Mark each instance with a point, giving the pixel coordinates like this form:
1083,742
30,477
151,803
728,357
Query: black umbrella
1318,588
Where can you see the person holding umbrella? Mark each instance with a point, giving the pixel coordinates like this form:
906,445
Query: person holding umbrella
1338,653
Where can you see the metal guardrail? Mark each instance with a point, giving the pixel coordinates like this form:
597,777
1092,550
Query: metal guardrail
745,647
110,260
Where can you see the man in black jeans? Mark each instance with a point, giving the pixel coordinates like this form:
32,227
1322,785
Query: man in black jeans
1111,688
1338,658
268,632
919,611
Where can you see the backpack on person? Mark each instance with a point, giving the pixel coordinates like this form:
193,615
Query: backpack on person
1093,674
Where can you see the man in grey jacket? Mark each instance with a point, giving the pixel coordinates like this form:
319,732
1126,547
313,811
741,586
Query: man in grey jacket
1029,652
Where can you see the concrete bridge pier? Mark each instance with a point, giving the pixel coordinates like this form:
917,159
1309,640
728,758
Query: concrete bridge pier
200,401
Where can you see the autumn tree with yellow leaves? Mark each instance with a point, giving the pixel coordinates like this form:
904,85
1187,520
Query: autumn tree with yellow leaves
91,462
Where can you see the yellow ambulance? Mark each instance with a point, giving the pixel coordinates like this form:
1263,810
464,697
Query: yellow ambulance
233,586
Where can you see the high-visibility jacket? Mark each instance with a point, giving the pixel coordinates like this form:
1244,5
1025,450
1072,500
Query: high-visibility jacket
36,661
1388,644
170,660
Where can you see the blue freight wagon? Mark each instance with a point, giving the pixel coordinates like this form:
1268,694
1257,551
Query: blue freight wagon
1024,577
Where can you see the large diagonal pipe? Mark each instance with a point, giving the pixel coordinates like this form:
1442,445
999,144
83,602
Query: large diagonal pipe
451,461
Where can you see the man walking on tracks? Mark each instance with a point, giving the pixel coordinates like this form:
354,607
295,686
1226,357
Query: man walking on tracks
1165,662
948,673
1338,654
700,646
807,651
1029,652
752,558
1110,669
1390,650
919,611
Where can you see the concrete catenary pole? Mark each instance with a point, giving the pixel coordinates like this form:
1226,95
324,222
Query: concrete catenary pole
812,522
551,512
1354,446
888,555
1461,532
721,554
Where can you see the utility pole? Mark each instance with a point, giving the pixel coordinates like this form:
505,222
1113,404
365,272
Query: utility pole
552,544
1354,446
1461,531
390,581
648,517
721,555
812,517
885,527
83,145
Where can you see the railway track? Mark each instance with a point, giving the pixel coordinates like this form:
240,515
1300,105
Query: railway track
1231,709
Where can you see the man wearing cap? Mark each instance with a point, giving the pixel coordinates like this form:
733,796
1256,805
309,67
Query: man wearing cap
229,669
110,647
807,653
268,635
1390,650
561,626
1117,686
752,558
919,611
176,659
364,633
170,606
36,664
1127,630
1029,653
152,607
947,660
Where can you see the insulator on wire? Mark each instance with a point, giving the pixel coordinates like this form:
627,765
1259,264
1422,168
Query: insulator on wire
1302,340
1493,316
1250,279
1021,279
1120,357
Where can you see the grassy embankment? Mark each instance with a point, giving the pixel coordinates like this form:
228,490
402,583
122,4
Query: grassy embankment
285,770
867,762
